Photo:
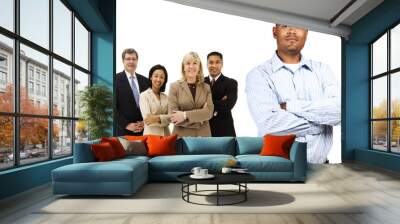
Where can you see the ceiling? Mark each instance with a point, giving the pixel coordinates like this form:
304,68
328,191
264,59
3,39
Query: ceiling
327,16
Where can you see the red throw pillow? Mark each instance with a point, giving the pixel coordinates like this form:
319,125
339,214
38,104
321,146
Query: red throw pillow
103,151
277,145
161,145
116,145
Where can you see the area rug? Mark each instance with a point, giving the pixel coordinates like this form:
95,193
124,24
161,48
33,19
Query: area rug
167,198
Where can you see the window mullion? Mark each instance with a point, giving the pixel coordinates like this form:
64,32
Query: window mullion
389,105
73,83
50,81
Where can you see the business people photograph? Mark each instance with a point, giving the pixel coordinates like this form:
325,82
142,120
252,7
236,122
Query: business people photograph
224,93
291,94
128,86
154,103
190,101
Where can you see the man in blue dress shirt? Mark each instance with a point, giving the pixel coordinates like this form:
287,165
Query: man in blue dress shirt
290,94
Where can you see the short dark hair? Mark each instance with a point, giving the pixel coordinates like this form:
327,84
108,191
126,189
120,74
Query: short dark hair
152,70
215,53
129,51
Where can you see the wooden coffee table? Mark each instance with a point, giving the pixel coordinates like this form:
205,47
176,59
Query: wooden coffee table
238,179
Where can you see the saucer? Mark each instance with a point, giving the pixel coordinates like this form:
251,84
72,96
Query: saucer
208,176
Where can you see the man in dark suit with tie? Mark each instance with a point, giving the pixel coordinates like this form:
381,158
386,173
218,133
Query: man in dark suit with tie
128,86
224,93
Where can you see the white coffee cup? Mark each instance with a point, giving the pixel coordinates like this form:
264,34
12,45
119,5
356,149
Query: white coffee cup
203,172
196,170
226,170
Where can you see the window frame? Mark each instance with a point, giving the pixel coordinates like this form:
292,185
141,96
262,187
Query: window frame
388,74
16,114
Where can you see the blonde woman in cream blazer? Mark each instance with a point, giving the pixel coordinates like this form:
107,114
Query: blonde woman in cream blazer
154,103
190,101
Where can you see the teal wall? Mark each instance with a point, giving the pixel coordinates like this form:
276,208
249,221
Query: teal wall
103,59
24,178
356,103
99,16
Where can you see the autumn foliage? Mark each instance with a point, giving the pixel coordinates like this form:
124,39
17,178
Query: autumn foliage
380,127
33,131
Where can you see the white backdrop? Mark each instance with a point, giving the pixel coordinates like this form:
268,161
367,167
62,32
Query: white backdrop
162,32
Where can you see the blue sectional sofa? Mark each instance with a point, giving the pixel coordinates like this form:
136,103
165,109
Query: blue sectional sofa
125,176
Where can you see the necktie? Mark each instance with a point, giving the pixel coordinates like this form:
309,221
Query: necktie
212,82
134,90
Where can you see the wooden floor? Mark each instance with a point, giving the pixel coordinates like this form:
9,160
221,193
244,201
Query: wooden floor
377,188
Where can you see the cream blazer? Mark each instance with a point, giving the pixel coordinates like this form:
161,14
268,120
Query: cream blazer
149,104
198,111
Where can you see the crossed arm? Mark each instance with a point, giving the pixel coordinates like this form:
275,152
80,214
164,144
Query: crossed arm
300,117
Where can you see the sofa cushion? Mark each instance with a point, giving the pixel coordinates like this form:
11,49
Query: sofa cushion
185,163
206,145
257,163
131,158
248,145
112,171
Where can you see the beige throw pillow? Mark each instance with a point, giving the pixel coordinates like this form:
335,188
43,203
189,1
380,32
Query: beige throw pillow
136,148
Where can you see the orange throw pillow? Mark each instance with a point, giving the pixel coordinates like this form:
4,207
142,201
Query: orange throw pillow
161,145
277,145
136,138
103,151
116,145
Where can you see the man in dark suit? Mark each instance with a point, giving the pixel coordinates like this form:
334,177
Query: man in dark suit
128,86
224,93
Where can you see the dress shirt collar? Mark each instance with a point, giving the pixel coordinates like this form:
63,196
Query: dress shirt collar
216,78
128,75
278,64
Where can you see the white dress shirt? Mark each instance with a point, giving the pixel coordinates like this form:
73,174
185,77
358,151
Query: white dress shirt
216,78
312,100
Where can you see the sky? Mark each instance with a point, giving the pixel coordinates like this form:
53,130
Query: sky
163,32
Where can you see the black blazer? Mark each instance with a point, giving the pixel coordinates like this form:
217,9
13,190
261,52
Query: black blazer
126,110
221,123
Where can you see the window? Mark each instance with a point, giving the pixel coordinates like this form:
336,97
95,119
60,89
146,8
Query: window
81,81
34,145
6,142
62,29
37,75
62,137
3,61
44,91
30,72
6,73
30,87
62,75
81,45
45,131
35,21
3,78
38,89
7,14
385,94
43,77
